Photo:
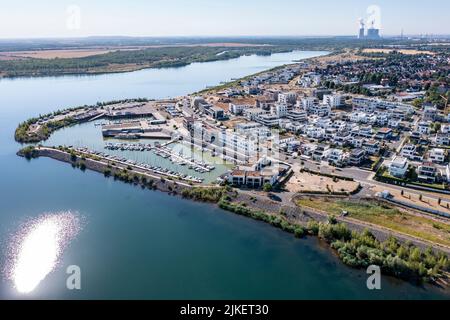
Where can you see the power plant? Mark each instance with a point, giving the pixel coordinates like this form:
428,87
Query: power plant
372,33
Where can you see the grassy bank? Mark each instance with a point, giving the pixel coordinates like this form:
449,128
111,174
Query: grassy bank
385,216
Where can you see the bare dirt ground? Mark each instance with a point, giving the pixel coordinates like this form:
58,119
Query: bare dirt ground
414,199
403,51
348,56
52,54
303,182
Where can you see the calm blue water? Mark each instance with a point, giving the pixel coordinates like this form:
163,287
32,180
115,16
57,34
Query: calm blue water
148,245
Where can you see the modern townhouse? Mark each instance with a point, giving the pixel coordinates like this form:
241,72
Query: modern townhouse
269,120
237,109
333,100
342,138
315,132
297,115
408,151
384,134
424,127
307,103
337,157
427,172
280,110
430,113
398,167
287,98
322,151
372,147
357,142
442,139
358,117
253,113
437,155
365,131
357,157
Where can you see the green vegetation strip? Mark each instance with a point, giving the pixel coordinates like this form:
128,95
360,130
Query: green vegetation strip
385,216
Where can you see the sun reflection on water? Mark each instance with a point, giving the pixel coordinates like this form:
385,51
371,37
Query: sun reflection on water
36,248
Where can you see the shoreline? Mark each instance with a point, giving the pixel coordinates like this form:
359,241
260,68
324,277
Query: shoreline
127,68
293,220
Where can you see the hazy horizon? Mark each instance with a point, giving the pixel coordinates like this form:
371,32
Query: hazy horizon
26,19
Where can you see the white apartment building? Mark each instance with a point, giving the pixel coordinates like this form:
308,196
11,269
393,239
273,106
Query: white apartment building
437,155
253,113
398,167
336,157
358,117
314,132
321,110
408,151
333,100
253,128
424,127
237,109
310,79
430,113
280,110
442,139
297,115
238,146
445,128
307,103
268,120
287,97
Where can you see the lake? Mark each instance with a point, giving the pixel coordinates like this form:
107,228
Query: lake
139,244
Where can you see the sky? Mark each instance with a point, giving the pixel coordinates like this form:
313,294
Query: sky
79,18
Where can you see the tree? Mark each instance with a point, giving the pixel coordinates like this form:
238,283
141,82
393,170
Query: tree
267,187
332,220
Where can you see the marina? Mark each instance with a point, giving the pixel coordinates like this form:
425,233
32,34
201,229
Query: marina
164,152
142,166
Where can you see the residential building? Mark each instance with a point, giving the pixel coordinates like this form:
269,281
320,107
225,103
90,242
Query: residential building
333,100
442,139
237,109
437,155
337,157
384,134
280,110
287,98
430,113
424,127
427,172
357,157
268,120
408,151
372,147
398,167
321,152
215,112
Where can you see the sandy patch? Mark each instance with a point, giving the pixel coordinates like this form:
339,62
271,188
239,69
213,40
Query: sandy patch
414,199
302,182
403,51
